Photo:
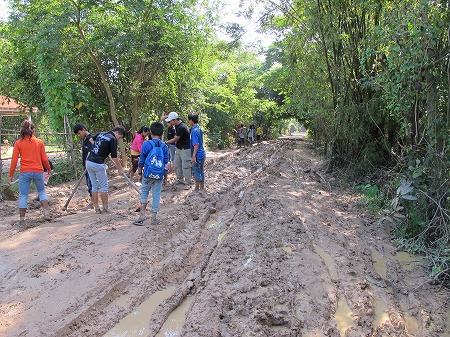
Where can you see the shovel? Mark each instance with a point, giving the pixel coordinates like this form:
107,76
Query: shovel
8,193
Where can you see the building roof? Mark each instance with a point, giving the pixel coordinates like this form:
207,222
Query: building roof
9,107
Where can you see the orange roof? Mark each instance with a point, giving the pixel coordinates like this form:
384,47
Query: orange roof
9,107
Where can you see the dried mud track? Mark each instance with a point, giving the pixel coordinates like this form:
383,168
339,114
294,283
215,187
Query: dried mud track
270,250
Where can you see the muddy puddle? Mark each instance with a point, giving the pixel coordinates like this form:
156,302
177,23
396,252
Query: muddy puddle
343,316
329,262
136,323
174,323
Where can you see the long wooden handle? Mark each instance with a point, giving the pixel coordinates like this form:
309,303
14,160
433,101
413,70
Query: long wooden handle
128,179
132,184
74,189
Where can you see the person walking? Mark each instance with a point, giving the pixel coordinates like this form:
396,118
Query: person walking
33,159
153,163
88,142
250,134
258,133
198,152
240,135
105,144
136,147
182,162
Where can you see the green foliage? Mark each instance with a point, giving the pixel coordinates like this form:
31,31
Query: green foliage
64,171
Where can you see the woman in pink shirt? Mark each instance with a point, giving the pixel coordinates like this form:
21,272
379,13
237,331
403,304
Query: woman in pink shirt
136,148
32,155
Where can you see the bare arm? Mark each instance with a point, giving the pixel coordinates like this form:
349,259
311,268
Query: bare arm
173,140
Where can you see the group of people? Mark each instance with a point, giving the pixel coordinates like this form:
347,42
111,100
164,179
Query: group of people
252,134
151,159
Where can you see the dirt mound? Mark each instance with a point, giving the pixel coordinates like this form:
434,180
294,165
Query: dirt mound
271,249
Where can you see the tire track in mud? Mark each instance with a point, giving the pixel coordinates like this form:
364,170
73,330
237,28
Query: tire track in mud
295,260
270,250
199,247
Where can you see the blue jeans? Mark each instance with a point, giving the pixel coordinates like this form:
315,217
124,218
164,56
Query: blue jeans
25,180
172,153
154,185
97,174
88,183
198,170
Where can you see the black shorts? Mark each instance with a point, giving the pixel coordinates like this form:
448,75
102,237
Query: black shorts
134,163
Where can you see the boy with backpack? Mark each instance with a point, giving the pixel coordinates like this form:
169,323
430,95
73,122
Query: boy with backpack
153,164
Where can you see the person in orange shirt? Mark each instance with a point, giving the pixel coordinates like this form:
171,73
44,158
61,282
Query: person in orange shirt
33,159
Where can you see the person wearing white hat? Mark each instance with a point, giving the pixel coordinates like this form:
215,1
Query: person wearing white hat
182,162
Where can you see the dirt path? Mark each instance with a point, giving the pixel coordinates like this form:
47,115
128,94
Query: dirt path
269,250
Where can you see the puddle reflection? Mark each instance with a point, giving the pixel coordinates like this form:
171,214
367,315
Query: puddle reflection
412,324
329,262
136,323
174,323
379,263
381,314
343,316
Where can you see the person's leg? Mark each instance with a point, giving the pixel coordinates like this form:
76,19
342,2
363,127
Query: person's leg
145,189
156,195
22,212
134,166
172,155
88,184
201,174
95,202
178,164
24,188
103,185
90,166
186,165
89,187
196,174
156,199
43,198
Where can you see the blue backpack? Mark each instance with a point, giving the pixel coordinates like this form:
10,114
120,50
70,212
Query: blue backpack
154,163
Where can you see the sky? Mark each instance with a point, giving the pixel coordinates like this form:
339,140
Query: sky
229,15
3,10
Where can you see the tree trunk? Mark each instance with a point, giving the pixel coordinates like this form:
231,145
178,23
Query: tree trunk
101,71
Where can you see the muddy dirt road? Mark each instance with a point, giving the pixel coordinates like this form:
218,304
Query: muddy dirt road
272,249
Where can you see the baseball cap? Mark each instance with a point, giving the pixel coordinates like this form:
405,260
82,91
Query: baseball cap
173,115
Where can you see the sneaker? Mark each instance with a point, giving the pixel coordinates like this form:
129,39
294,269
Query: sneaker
138,222
187,187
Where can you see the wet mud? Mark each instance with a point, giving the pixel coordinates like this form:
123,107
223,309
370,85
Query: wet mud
272,248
